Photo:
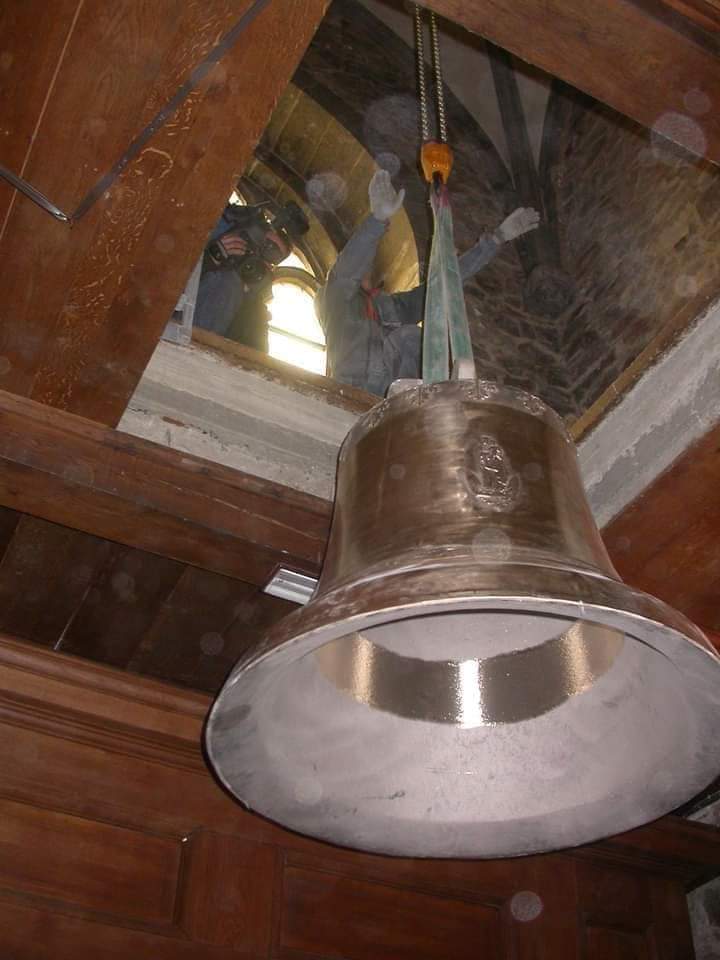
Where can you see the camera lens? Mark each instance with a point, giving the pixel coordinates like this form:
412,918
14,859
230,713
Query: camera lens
253,269
271,251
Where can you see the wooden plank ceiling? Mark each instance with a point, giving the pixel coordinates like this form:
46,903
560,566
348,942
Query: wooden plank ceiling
124,607
183,612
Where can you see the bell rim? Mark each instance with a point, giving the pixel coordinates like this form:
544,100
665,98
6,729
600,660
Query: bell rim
672,627
281,635
267,701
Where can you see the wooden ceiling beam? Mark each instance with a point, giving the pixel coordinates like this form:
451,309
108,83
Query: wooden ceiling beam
638,56
84,305
81,474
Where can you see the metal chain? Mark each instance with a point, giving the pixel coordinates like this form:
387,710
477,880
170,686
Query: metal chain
422,85
437,70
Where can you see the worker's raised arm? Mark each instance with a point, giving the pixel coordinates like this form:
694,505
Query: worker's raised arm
343,282
520,221
356,259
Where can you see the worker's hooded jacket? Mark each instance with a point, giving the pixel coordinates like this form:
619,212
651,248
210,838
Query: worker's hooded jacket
373,339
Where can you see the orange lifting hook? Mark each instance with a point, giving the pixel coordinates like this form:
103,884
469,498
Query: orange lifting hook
436,160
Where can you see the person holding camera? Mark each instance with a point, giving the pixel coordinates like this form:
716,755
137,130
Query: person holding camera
373,337
236,279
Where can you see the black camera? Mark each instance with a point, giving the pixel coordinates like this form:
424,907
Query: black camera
251,225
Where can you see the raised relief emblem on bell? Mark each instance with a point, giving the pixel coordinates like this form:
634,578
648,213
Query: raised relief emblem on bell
491,480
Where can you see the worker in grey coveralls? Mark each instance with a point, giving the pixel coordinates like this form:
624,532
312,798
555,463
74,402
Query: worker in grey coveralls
373,337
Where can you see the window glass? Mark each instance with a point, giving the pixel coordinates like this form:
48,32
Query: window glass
294,334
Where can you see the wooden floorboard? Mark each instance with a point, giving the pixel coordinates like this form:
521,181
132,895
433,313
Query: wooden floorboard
45,575
186,642
120,606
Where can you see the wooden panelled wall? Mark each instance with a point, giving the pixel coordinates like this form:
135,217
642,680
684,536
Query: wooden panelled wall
115,842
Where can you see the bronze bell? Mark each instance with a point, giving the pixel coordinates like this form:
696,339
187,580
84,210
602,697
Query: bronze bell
471,678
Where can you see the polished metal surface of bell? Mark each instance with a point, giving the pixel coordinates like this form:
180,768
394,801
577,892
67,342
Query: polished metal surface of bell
471,679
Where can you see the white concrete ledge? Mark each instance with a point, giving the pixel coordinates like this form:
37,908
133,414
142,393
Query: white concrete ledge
191,400
674,403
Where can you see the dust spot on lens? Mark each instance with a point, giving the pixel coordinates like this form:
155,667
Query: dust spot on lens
697,102
326,191
389,161
123,586
491,543
526,906
165,243
677,140
308,790
212,644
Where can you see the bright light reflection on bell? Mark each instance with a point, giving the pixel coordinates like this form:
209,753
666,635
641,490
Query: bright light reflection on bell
469,713
472,679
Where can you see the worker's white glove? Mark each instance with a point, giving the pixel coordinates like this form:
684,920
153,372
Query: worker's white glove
520,221
385,200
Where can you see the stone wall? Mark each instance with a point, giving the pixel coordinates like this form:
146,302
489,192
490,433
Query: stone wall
640,227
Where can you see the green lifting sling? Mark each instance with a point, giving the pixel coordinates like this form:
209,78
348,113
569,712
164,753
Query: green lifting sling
446,334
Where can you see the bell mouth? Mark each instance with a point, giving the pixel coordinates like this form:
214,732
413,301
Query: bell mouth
393,667
557,723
